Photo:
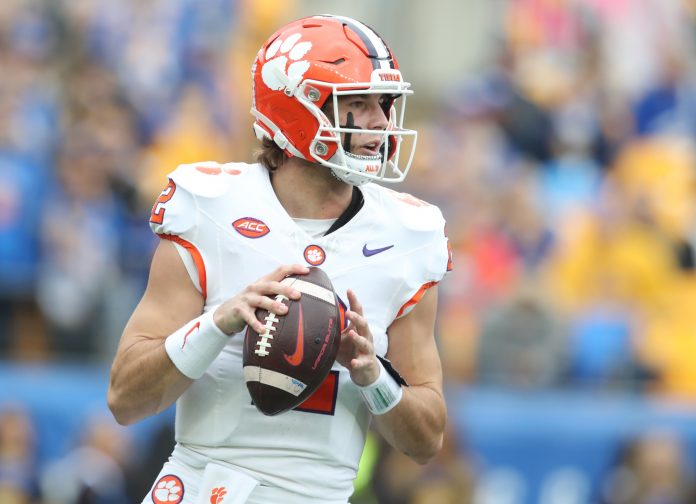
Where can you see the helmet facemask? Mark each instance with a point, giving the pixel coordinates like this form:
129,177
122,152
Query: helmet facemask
397,144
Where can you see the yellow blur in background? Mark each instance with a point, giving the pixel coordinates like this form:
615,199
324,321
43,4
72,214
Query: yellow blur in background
557,136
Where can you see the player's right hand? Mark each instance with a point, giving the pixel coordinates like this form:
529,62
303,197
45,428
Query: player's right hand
236,313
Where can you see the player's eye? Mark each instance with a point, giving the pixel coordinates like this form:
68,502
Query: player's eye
358,104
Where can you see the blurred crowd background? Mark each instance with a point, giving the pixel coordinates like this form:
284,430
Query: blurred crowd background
557,136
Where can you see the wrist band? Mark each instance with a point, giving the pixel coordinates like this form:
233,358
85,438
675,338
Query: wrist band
382,395
195,345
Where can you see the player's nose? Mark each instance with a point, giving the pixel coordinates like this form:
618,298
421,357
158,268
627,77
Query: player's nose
377,120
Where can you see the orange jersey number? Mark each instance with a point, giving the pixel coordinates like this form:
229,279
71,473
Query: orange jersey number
157,216
323,400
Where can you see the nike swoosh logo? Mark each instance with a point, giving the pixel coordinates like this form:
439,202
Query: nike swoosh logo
296,358
370,252
197,325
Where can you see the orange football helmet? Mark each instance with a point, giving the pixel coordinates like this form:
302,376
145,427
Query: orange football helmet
313,59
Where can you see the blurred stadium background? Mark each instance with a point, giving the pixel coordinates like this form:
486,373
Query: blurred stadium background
558,137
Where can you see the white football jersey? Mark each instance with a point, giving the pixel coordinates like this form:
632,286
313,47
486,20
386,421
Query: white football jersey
229,219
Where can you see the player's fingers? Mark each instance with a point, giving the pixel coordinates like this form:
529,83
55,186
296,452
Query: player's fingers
270,304
271,284
359,324
286,269
246,313
356,364
363,345
255,324
356,319
265,303
355,315
354,302
360,363
273,288
348,347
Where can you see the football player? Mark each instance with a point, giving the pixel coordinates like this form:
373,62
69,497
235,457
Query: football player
328,102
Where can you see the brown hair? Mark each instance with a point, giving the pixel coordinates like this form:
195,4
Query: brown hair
270,155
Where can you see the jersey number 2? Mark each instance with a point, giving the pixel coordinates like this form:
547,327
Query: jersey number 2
157,216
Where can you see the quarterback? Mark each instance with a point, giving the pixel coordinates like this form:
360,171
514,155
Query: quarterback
328,102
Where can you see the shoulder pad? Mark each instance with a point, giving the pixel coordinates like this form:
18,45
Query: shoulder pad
423,228
206,179
411,212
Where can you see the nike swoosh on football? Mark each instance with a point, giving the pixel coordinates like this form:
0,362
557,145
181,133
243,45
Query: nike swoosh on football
296,358
370,252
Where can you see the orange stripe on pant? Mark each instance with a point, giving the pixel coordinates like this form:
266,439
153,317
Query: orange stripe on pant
197,259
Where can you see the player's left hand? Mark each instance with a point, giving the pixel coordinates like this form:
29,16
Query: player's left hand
357,350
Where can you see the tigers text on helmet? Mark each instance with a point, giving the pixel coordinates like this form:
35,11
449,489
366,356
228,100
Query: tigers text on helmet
313,59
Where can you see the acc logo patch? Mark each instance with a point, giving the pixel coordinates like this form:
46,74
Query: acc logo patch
251,227
169,489
314,255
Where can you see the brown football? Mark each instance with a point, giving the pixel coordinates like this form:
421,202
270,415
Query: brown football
285,364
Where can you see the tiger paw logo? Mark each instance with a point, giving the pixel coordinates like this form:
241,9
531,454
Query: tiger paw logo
218,495
168,490
276,73
314,255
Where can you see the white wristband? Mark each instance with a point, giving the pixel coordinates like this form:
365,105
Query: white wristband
382,395
193,347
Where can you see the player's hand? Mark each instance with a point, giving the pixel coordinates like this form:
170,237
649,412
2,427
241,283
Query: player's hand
240,311
357,350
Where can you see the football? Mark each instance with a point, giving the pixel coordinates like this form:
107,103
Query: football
286,363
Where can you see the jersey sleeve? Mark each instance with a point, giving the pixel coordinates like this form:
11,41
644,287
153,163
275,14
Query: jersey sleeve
177,209
427,270
176,214
430,258
174,211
